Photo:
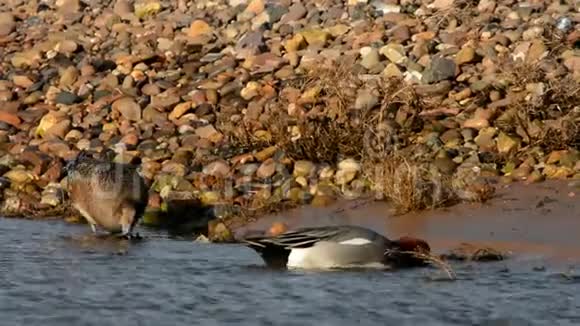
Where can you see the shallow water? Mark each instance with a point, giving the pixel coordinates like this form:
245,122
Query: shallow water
52,273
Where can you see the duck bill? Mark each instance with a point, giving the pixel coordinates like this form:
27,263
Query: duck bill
408,252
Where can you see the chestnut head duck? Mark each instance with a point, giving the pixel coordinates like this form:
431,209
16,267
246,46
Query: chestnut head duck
338,247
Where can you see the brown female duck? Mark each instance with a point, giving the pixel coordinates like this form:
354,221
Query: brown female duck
110,195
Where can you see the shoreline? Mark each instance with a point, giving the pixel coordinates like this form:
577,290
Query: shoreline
524,219
237,108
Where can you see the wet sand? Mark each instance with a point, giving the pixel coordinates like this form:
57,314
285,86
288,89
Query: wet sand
540,219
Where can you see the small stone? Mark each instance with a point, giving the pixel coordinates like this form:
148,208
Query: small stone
266,169
143,10
370,57
465,55
22,81
199,28
315,37
10,118
394,52
210,133
462,95
20,176
51,196
266,153
485,138
392,71
250,91
349,164
439,69
128,108
507,144
66,98
69,76
179,110
386,8
7,23
520,51
451,137
60,129
303,168
277,228
301,180
48,121
326,173
272,14
250,44
123,8
166,99
441,4
26,59
343,177
217,169
296,43
66,47
573,64
486,6
255,7
522,172
265,62
295,12
555,157
564,24
476,123
248,169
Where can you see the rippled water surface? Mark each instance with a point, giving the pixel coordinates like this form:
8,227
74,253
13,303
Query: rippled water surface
56,274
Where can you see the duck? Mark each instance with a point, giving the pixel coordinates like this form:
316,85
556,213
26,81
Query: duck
340,246
109,195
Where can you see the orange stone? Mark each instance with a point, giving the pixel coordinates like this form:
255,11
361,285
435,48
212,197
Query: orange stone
10,118
277,228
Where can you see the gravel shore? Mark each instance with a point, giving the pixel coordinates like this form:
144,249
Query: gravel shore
236,108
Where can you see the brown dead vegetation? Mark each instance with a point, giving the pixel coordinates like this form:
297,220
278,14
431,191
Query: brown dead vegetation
329,128
409,186
545,105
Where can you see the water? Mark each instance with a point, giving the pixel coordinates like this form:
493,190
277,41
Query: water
49,275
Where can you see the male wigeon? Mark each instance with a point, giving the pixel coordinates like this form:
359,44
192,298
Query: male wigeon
337,247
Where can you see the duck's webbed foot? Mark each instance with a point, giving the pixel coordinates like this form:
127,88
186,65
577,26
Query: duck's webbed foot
127,233
131,236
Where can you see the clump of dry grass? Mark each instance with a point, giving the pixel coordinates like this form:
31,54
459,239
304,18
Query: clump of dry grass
330,127
461,12
409,186
549,118
429,258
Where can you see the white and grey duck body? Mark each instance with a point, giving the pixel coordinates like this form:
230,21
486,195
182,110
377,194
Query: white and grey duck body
110,195
337,247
